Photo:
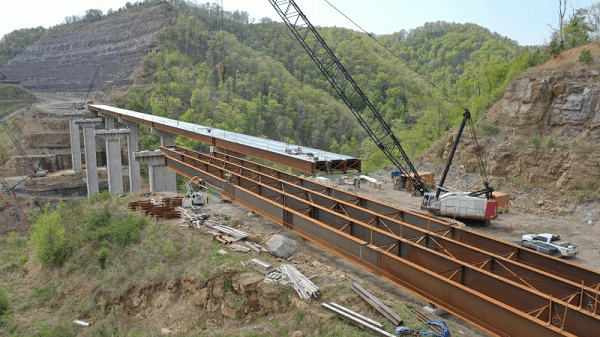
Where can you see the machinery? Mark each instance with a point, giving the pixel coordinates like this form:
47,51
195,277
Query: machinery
194,195
458,204
464,205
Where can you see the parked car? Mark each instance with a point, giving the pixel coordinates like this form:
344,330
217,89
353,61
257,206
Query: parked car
549,244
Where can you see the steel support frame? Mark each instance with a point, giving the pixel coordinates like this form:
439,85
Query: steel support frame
471,292
500,265
444,230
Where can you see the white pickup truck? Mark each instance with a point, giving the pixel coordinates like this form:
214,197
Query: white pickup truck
549,244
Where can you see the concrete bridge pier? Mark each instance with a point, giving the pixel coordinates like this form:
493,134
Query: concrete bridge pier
113,158
157,170
167,140
75,142
89,146
134,165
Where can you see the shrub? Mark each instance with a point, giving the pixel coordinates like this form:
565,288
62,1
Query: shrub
48,239
5,310
170,250
550,142
101,257
586,56
489,127
535,140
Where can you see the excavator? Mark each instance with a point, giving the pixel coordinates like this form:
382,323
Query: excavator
466,206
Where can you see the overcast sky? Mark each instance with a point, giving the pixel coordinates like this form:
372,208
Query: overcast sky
524,21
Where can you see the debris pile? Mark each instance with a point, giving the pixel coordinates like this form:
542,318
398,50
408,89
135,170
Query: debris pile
285,275
303,286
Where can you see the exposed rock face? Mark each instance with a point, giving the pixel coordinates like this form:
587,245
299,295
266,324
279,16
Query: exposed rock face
549,128
98,56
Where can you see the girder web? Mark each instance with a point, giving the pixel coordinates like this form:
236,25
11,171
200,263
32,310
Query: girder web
368,229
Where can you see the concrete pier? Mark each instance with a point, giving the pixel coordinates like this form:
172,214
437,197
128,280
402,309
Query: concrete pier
89,145
75,142
167,140
113,157
157,170
134,165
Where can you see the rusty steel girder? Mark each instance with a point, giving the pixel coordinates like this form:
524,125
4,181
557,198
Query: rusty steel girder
496,292
571,273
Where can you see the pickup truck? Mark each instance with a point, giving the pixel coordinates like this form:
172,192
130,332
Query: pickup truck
549,244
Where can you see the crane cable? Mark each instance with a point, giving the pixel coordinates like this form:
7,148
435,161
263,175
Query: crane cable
221,43
480,161
397,56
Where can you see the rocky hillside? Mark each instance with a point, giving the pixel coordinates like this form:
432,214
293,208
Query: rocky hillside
545,131
81,57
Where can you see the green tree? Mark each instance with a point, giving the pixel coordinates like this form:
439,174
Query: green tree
48,239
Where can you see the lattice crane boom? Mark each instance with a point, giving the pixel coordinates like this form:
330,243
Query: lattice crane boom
345,86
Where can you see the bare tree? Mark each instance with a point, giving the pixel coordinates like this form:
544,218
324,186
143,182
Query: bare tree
562,9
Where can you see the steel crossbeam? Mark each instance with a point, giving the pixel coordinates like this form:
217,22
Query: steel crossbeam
396,218
501,265
490,294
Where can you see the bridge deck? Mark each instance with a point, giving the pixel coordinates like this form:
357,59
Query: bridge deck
301,158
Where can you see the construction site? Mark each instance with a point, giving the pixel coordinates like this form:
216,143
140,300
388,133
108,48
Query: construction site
438,245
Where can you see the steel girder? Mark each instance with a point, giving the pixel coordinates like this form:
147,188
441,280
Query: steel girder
503,296
299,164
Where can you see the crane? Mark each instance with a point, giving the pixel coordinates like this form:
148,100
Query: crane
345,86
465,205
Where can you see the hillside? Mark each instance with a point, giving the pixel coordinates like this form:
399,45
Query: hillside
104,55
543,134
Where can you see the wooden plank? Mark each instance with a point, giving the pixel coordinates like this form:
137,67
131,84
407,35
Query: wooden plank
357,322
377,304
356,314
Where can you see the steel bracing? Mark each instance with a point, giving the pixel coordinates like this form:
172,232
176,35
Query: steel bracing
500,287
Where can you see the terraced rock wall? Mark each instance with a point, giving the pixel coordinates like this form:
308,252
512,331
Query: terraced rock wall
83,57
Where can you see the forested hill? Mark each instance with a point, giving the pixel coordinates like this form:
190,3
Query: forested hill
270,87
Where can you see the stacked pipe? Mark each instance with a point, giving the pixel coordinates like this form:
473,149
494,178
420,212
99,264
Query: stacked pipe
303,286
236,233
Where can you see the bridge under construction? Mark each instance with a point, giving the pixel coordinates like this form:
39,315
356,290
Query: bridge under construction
500,287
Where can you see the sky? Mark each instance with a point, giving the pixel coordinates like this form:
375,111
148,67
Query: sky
527,22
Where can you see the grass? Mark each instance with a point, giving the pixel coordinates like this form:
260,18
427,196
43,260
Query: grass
82,288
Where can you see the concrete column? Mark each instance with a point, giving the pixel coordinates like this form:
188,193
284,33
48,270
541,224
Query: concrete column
167,140
75,142
113,158
157,170
132,147
89,146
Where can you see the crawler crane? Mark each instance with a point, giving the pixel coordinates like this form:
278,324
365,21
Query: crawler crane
463,205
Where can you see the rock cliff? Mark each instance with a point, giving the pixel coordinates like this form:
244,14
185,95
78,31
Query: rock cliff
546,129
82,57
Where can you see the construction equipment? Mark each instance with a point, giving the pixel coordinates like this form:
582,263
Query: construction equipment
465,205
341,81
460,204
194,195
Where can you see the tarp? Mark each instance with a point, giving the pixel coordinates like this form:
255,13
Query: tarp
403,330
